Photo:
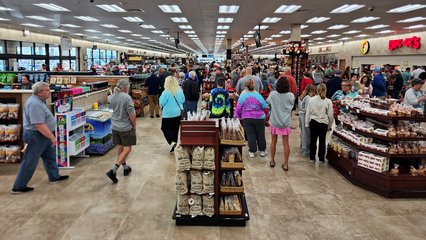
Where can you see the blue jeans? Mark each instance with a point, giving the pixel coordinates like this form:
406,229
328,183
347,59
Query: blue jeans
190,106
37,146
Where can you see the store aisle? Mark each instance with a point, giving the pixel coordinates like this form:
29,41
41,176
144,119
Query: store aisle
311,201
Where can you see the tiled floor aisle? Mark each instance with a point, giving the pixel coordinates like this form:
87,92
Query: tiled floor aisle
308,202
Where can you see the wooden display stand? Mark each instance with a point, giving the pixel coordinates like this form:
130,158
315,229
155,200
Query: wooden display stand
206,133
402,186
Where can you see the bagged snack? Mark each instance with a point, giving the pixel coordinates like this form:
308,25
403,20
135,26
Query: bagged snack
12,133
4,110
2,154
197,158
208,205
195,205
395,170
182,205
12,154
238,179
208,182
182,158
181,183
196,182
413,171
209,159
421,171
2,133
13,111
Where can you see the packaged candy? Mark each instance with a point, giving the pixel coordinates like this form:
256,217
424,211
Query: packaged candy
181,183
208,182
197,158
209,159
182,205
208,205
183,161
13,110
4,111
195,205
196,182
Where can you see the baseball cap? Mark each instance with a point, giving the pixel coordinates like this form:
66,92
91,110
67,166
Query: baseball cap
376,69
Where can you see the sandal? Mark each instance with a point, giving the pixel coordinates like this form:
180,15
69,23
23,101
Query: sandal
284,168
272,164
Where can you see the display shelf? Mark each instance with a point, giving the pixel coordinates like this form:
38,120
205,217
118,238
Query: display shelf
78,143
402,186
384,154
231,190
384,138
231,166
388,118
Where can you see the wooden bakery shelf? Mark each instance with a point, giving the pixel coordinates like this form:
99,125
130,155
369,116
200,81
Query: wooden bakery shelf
381,137
402,186
231,190
388,118
232,166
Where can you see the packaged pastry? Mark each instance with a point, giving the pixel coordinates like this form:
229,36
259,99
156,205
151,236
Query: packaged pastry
238,179
421,171
13,111
395,170
2,154
4,110
11,133
195,205
208,182
182,206
182,158
196,182
413,171
12,154
2,133
209,162
208,205
197,158
181,183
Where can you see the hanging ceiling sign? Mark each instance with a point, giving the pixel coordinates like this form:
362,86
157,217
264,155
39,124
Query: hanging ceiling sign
365,47
413,42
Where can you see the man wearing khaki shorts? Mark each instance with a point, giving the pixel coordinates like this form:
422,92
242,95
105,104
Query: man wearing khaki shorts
123,127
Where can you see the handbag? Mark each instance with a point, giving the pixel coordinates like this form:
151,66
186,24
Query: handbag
182,112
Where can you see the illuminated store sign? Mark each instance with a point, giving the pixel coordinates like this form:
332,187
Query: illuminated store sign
413,42
365,47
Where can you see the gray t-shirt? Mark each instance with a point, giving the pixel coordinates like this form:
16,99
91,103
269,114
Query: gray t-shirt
242,83
36,112
281,105
122,106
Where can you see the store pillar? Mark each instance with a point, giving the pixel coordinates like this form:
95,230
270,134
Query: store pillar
296,32
228,49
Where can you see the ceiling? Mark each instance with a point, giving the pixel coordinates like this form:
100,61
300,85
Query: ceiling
203,16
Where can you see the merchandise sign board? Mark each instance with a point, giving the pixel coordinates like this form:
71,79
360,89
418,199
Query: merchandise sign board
325,49
61,138
413,42
365,47
66,43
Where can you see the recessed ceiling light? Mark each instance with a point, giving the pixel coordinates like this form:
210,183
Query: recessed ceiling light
377,26
333,36
386,31
91,30
170,8
225,20
318,32
320,38
287,8
352,32
285,40
31,25
303,26
345,38
271,20
339,26
416,26
108,34
363,35
125,31
185,26
347,8
157,31
4,19
40,18
305,35
111,8
318,19
414,19
108,26
365,19
136,35
147,26
133,19
58,30
262,27
179,19
276,36
87,18
52,7
228,9
407,8
222,27
70,26
189,32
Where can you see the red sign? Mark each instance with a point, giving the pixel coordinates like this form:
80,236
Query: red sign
413,42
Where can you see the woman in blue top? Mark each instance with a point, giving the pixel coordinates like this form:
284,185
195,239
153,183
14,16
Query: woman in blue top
171,102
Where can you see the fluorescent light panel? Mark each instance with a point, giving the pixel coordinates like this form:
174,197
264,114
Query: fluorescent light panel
320,38
225,20
125,31
170,8
268,39
377,26
52,7
31,25
334,35
222,27
318,32
192,36
386,31
228,9
414,19
111,8
70,26
347,8
91,30
41,18
108,26
363,35
318,19
305,35
157,31
271,20
416,26
407,8
189,32
79,34
185,26
276,36
248,36
4,19
221,32
365,19
262,27
337,27
87,18
285,32
108,34
287,8
303,26
345,38
352,32
58,30
133,19
136,35
147,26
179,19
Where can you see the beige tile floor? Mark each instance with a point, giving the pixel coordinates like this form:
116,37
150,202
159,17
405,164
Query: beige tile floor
311,201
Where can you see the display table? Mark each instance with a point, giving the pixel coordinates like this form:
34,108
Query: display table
81,79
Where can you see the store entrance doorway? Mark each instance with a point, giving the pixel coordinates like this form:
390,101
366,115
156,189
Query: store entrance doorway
342,64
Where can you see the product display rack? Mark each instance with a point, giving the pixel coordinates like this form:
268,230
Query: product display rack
402,186
206,133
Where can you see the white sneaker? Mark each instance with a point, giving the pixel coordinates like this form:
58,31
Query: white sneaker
263,153
251,154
